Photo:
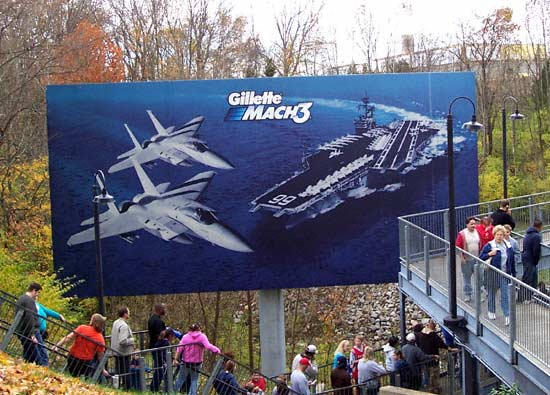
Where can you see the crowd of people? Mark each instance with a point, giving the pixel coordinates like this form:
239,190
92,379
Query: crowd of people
353,363
416,363
491,241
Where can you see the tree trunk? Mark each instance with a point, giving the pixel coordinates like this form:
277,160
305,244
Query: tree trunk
250,332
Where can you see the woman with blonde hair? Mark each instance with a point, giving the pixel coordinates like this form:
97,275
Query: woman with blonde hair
341,350
501,255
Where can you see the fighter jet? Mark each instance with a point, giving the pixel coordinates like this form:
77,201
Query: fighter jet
172,215
178,147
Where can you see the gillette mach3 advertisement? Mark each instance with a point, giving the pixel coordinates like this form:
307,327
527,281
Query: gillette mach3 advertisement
267,183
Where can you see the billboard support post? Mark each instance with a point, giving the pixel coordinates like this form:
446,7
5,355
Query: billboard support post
272,331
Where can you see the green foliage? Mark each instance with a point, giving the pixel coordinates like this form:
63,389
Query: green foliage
270,69
25,239
504,390
528,157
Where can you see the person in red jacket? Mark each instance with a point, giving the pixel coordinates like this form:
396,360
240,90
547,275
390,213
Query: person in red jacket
485,230
257,382
469,240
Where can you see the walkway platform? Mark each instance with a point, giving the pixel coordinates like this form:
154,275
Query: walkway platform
518,352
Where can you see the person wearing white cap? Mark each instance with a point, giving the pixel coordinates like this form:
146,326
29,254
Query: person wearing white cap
298,380
414,357
312,370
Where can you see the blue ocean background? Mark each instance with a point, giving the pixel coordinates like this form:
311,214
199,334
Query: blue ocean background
356,243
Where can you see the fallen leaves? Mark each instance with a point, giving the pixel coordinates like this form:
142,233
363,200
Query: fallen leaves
18,378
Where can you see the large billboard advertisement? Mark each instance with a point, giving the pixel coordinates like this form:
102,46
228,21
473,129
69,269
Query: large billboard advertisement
253,183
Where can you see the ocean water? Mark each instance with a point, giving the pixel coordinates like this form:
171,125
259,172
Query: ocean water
355,243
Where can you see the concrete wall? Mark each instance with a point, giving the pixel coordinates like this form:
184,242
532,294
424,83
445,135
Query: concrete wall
390,390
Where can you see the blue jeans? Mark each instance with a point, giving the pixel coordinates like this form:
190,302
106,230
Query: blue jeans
42,358
498,282
192,370
467,270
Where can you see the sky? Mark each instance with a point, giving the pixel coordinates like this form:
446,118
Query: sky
393,17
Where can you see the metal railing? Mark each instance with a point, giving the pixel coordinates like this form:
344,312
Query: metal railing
20,336
525,209
521,313
436,222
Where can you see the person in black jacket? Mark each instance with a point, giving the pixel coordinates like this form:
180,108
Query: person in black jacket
27,329
165,339
530,257
502,215
430,342
155,326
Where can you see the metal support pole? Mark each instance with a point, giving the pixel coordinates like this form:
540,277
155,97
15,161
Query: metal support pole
210,382
407,252
446,224
402,316
531,211
11,330
272,331
427,264
451,371
504,157
478,275
452,219
469,372
453,320
169,373
513,326
141,373
99,369
98,258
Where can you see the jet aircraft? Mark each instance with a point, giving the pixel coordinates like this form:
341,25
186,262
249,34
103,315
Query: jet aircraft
172,215
178,147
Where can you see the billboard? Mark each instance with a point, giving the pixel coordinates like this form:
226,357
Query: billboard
252,183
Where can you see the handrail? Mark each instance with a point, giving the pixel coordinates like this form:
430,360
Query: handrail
479,204
420,247
480,261
57,330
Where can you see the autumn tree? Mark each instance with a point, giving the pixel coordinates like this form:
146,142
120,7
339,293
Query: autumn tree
538,67
193,39
478,50
297,38
366,36
88,55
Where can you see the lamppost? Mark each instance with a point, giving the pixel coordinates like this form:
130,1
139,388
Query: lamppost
473,125
100,196
515,116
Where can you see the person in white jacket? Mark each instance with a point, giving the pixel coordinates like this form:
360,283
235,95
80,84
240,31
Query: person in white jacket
389,349
122,341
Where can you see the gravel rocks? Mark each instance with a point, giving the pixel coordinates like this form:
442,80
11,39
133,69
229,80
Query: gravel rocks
375,313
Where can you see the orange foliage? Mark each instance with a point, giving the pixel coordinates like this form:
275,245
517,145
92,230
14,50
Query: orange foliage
89,55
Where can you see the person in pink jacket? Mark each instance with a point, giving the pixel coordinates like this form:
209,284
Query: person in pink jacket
189,356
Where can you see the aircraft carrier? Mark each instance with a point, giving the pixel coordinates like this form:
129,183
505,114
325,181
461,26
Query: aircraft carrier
373,158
